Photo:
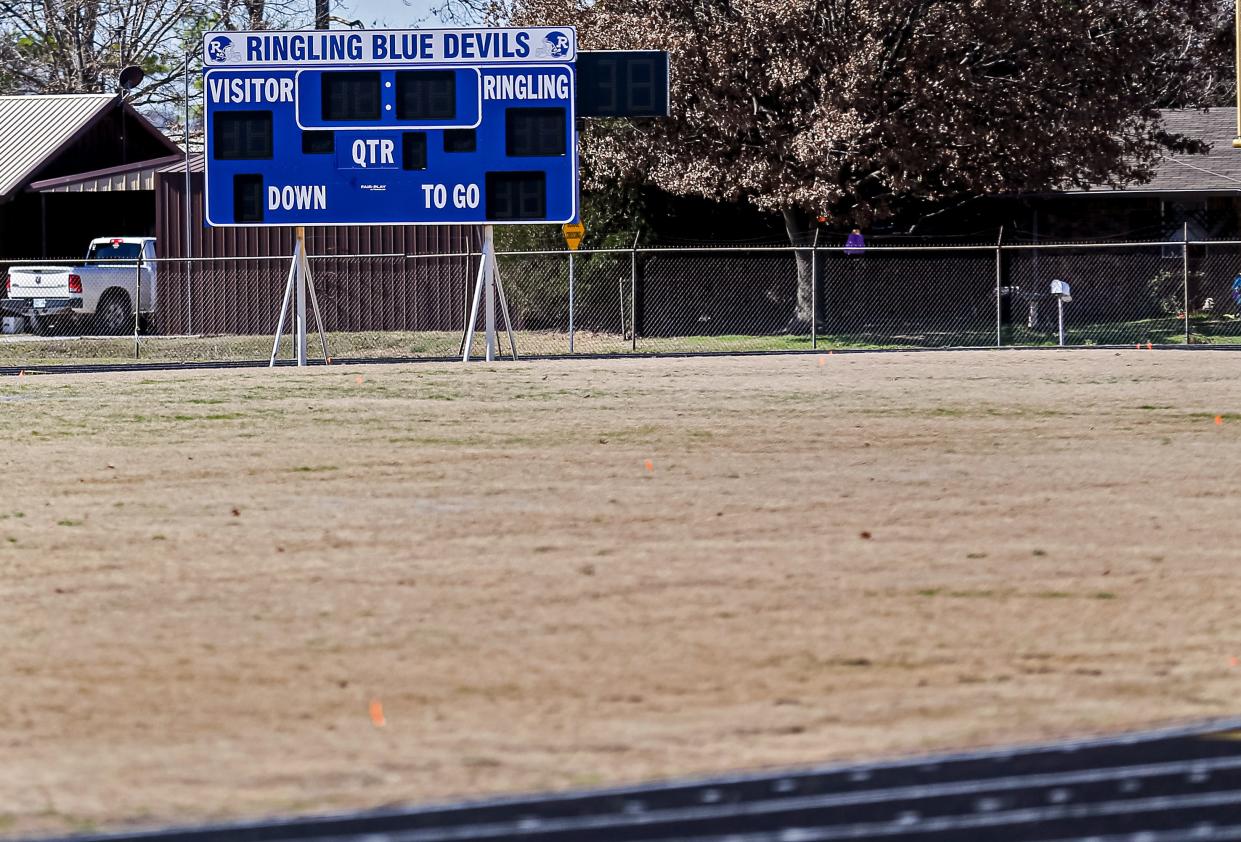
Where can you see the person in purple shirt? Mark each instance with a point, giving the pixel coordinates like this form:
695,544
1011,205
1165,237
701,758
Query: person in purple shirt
856,243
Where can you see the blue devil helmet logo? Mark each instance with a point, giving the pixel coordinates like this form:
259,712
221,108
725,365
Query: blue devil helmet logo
217,49
557,44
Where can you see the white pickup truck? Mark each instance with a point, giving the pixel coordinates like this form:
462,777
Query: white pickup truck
99,291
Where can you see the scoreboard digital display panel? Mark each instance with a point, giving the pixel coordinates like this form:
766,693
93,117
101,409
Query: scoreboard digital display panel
431,127
622,83
381,99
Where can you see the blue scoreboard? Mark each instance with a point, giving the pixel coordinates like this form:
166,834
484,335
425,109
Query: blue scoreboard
408,127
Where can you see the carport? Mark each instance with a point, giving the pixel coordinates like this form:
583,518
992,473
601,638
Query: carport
74,167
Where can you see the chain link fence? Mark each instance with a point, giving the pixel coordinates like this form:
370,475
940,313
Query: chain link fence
674,300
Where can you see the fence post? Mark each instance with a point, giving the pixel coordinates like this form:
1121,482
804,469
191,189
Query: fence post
814,291
633,292
570,301
189,302
1185,275
137,301
999,279
187,250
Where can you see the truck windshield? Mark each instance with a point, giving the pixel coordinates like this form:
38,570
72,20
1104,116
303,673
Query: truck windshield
119,251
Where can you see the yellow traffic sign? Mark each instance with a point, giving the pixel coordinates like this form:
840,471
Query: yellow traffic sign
573,233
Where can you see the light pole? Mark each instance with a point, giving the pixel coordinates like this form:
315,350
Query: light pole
130,77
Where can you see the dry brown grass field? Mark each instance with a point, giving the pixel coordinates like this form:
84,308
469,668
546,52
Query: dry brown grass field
571,573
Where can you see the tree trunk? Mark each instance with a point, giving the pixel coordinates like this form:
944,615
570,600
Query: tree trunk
800,232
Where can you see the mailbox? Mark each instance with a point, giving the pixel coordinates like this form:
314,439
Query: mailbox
1060,290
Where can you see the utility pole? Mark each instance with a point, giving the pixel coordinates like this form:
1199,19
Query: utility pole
1236,141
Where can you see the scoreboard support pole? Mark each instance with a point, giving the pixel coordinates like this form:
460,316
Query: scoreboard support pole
299,283
487,289
299,314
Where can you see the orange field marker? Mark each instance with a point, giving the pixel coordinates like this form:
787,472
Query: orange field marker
1219,420
377,714
649,465
359,379
1149,345
822,361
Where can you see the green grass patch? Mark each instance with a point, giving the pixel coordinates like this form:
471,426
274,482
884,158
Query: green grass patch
220,416
24,350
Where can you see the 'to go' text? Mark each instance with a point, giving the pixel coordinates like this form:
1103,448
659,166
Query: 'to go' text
463,195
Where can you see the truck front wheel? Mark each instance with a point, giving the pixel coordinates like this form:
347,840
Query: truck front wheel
113,314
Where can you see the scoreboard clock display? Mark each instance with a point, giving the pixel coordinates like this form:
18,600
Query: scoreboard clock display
622,83
414,127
